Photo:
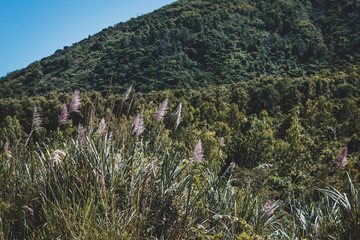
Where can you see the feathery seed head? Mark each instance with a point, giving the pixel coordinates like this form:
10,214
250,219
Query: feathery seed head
81,133
36,119
265,167
341,160
75,101
222,142
177,114
138,125
270,206
161,110
29,210
7,150
127,94
232,166
110,137
57,157
177,111
102,127
135,124
118,157
178,119
141,127
118,160
64,114
198,152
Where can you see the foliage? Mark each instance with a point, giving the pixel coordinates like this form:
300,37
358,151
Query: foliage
195,43
110,180
107,185
264,95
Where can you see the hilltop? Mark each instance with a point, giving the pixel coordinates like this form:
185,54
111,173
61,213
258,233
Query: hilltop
195,43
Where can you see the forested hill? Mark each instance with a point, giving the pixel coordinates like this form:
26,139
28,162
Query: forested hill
193,43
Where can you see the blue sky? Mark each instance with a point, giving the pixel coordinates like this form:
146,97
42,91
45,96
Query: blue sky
33,29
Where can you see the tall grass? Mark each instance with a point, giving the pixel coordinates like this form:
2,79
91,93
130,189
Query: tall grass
107,183
124,178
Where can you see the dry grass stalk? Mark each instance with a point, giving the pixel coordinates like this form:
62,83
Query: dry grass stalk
177,114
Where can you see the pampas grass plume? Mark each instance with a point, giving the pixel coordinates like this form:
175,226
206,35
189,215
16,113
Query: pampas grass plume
138,125
36,119
57,157
75,101
102,127
222,142
177,114
341,160
29,210
161,110
135,124
127,94
81,133
7,150
270,207
64,114
198,152
141,127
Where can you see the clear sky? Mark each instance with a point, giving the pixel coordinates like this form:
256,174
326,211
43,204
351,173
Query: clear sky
33,29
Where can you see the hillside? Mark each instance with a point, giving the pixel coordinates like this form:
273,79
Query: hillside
242,122
198,43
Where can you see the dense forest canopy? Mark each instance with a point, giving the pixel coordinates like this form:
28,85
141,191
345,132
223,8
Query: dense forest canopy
197,43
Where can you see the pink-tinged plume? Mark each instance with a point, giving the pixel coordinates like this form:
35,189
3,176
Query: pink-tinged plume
341,160
198,152
64,115
161,110
75,101
270,207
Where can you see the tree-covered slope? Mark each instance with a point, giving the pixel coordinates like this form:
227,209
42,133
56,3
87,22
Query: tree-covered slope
193,43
